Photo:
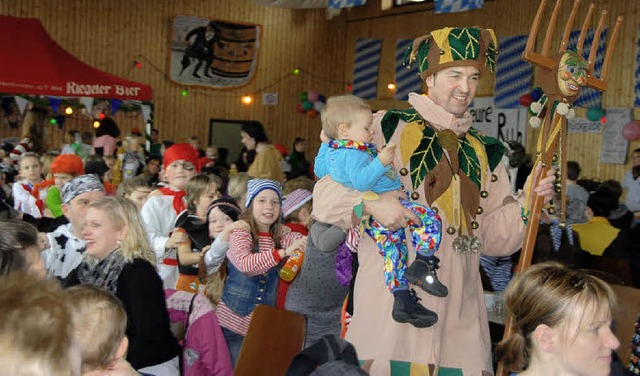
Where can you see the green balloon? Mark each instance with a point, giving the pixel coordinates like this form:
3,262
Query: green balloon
303,96
306,105
595,113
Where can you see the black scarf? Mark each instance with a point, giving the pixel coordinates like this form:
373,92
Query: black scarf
104,273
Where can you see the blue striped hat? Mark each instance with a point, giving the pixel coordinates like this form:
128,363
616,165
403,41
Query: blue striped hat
255,186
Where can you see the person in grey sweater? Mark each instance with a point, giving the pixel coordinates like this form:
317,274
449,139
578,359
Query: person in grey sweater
316,292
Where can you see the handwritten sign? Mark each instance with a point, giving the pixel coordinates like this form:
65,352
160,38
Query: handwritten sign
583,125
503,124
614,146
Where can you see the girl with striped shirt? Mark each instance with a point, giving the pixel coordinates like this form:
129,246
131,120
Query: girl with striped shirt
255,258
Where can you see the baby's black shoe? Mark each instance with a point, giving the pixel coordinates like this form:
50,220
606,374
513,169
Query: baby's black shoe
407,309
422,273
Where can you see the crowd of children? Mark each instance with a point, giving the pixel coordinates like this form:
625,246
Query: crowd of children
211,239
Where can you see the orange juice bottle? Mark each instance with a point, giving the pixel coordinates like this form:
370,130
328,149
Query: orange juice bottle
292,266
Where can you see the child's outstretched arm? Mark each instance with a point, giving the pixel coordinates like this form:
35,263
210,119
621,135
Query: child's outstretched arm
241,256
218,251
185,256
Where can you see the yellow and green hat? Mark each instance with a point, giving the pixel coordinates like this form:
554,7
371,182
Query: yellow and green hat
453,46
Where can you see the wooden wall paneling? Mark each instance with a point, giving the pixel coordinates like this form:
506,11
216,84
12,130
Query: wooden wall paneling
109,36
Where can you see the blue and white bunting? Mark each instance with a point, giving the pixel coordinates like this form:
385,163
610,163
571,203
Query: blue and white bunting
407,79
513,75
454,6
340,4
365,70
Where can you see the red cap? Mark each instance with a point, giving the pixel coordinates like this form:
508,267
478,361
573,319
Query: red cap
181,152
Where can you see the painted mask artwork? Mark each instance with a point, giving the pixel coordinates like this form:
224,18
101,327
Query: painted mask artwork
572,74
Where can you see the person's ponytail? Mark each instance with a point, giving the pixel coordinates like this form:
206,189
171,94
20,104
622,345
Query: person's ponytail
513,353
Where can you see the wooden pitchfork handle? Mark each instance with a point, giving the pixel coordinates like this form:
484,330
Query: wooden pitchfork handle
531,232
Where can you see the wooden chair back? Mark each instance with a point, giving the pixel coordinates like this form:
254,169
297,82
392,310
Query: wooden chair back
274,337
617,271
625,318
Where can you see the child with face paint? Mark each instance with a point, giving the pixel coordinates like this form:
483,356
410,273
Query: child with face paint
160,211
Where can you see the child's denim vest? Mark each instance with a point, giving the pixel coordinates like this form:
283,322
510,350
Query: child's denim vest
242,293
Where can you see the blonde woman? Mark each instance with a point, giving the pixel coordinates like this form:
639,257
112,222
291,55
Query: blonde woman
562,319
119,259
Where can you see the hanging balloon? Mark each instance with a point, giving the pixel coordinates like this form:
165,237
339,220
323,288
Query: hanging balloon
311,114
303,96
318,106
300,109
526,100
306,105
312,96
595,113
322,98
631,131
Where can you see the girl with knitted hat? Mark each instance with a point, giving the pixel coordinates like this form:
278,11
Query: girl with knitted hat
255,259
222,219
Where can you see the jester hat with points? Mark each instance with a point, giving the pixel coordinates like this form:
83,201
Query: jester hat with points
453,46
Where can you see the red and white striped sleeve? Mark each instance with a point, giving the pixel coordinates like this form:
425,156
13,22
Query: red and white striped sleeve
290,238
249,263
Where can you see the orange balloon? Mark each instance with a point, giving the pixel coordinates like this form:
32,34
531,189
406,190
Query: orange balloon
312,113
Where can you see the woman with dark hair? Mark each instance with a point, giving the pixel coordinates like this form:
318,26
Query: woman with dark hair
20,249
244,160
267,161
106,135
299,164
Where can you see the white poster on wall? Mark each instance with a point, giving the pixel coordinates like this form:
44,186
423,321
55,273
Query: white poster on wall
503,124
584,125
614,146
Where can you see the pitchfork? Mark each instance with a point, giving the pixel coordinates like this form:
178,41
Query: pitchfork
554,129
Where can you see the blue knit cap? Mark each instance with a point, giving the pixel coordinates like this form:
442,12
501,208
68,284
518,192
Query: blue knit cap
255,186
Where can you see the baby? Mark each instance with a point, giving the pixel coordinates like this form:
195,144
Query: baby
99,326
349,157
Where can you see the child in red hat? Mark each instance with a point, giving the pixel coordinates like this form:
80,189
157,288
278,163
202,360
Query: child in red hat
64,168
159,213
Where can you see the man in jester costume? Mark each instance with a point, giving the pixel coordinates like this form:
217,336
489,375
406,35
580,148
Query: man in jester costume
455,170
